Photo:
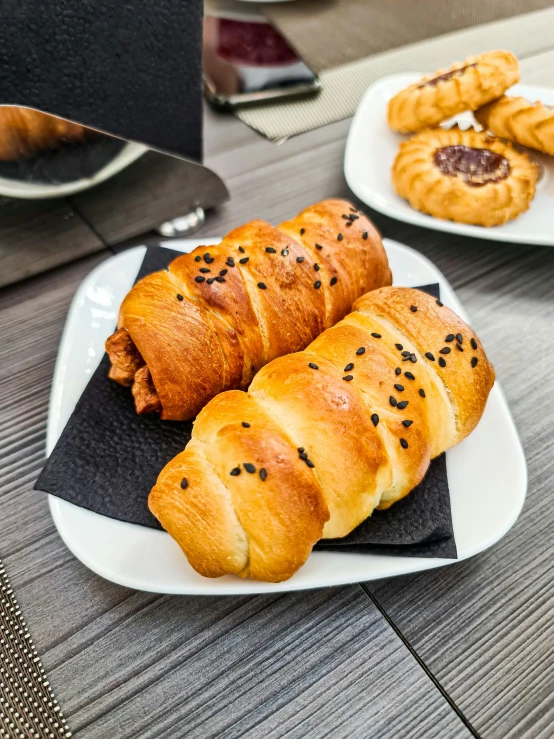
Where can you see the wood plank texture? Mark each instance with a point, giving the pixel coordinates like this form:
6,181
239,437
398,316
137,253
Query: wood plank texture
321,663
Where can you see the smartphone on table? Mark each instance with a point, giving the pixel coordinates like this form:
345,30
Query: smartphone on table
247,61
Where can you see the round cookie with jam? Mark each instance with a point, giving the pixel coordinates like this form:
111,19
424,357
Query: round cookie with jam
517,119
467,85
464,176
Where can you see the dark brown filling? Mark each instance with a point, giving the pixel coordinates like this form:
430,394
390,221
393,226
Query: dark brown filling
446,76
477,167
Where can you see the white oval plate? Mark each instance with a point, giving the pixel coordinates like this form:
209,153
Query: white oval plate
372,147
487,472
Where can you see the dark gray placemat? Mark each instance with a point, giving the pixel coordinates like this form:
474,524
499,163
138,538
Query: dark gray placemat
27,704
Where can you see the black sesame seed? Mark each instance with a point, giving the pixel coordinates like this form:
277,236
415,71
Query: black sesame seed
179,296
223,272
403,443
246,424
270,250
299,259
442,362
450,337
198,258
300,449
207,258
399,347
353,217
210,280
376,336
413,358
473,344
220,279
205,270
199,278
263,474
397,371
184,483
422,392
459,338
312,365
399,387
310,463
430,356
392,401
348,223
318,246
474,361
413,308
459,347
243,260
365,235
403,404
445,350
407,423
346,218
285,252
339,237
303,456
241,250
349,366
249,467
375,419
348,378
235,471
361,350
317,267
409,375
406,353
262,286
439,303
302,231
317,284
230,262
333,281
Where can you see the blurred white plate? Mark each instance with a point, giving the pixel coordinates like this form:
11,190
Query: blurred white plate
486,473
372,147
12,188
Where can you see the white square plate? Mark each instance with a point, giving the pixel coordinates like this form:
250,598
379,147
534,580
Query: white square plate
372,147
486,473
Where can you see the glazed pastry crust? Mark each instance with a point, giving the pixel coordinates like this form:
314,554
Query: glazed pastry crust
468,85
417,179
517,119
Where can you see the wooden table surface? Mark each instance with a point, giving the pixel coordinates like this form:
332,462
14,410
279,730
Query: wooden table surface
462,651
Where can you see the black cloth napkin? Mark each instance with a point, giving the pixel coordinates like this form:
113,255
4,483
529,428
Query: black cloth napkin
108,458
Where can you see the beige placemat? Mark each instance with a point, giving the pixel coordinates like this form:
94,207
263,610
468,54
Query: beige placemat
330,33
525,35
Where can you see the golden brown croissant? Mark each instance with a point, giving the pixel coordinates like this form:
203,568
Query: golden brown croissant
24,131
219,314
323,437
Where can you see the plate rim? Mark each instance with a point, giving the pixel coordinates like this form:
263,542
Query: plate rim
238,586
413,216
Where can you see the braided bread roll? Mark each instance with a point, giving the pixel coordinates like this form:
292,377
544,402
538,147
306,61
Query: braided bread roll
24,131
323,437
217,315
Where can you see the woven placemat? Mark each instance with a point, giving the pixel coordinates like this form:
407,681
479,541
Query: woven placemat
27,705
525,35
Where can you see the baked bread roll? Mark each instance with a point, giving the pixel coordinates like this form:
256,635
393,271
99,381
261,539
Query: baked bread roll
217,315
323,437
24,131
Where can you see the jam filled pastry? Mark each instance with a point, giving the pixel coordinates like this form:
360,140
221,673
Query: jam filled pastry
464,176
517,119
465,86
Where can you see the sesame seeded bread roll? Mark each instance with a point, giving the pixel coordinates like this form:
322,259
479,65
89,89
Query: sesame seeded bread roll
323,437
217,315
